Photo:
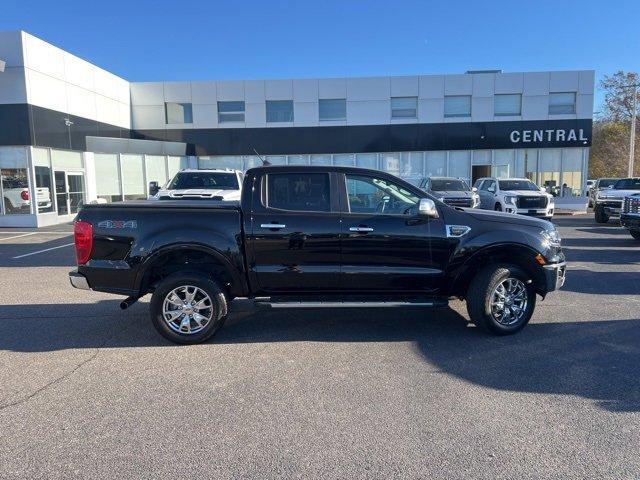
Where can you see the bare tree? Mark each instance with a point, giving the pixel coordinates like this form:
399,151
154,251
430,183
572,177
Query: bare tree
618,98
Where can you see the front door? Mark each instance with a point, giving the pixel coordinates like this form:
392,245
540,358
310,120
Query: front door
69,191
294,242
386,245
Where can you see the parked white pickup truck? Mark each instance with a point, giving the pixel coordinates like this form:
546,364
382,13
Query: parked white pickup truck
217,184
16,197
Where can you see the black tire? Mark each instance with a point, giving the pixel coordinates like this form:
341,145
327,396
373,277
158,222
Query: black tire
635,234
209,286
498,207
601,216
481,291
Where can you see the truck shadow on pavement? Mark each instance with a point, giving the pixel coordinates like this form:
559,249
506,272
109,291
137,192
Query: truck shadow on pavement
595,360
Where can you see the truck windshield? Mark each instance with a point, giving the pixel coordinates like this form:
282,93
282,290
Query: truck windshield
518,185
607,182
212,180
450,185
627,184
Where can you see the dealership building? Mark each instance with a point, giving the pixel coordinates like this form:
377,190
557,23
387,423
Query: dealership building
73,133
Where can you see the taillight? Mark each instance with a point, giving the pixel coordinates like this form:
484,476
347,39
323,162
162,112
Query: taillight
24,194
83,233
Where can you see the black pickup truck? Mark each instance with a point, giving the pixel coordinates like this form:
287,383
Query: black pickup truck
305,236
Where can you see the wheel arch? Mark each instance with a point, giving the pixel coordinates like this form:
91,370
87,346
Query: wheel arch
193,258
518,255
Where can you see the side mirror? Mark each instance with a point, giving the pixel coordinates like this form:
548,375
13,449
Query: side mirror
153,188
474,189
427,208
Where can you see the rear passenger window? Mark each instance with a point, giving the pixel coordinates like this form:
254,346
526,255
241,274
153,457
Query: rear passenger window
304,192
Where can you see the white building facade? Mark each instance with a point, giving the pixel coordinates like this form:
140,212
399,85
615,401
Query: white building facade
82,133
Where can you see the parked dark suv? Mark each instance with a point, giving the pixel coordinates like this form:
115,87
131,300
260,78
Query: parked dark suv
452,191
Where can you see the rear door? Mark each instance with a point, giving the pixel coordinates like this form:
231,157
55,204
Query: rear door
386,246
294,239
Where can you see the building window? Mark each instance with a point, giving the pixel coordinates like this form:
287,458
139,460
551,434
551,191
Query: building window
178,112
44,180
108,185
562,103
457,106
332,109
230,112
507,105
279,111
14,181
132,171
404,107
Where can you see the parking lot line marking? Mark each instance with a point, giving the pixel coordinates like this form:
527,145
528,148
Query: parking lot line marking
42,251
18,236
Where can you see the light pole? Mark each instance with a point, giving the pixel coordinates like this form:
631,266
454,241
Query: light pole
632,139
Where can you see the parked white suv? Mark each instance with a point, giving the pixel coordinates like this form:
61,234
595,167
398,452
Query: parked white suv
515,195
216,184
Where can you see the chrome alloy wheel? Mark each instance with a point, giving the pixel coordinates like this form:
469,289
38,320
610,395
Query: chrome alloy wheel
509,301
187,309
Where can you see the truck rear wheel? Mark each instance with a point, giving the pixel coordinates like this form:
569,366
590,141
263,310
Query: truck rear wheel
601,216
188,308
500,299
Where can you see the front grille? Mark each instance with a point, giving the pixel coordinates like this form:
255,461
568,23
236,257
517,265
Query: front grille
611,203
532,202
458,201
631,205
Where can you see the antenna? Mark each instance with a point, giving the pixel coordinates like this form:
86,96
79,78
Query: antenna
265,163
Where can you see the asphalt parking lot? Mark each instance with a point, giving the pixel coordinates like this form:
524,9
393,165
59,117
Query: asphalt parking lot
91,391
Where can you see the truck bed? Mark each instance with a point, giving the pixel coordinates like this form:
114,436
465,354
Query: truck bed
205,203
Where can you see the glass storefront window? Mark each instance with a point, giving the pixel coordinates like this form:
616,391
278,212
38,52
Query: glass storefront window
156,169
571,173
390,162
459,164
504,161
251,161
175,164
44,180
277,159
345,159
298,159
66,160
107,177
528,158
132,177
411,166
367,160
549,170
481,157
320,159
435,164
14,181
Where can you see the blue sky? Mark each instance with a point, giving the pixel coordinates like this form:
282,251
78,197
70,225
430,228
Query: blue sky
201,40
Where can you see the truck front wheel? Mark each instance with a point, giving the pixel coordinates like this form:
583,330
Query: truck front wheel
601,216
501,299
188,308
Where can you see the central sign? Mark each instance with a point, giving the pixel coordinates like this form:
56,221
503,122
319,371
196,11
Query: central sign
548,135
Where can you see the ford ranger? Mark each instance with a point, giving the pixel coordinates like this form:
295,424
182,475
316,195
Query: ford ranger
305,236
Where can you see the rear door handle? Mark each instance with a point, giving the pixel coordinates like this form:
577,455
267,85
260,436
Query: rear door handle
274,226
361,229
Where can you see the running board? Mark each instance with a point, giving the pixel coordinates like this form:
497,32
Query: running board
354,304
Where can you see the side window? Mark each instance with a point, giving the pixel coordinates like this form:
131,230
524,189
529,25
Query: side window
303,192
375,195
490,186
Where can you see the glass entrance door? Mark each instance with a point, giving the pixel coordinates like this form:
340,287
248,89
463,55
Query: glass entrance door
69,191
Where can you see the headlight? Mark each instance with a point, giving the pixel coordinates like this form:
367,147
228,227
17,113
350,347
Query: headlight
510,199
551,237
475,199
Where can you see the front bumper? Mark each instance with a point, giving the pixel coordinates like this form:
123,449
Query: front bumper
532,212
555,275
79,281
610,207
630,221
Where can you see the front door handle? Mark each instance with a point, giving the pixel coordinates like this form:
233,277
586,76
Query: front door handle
273,226
361,229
